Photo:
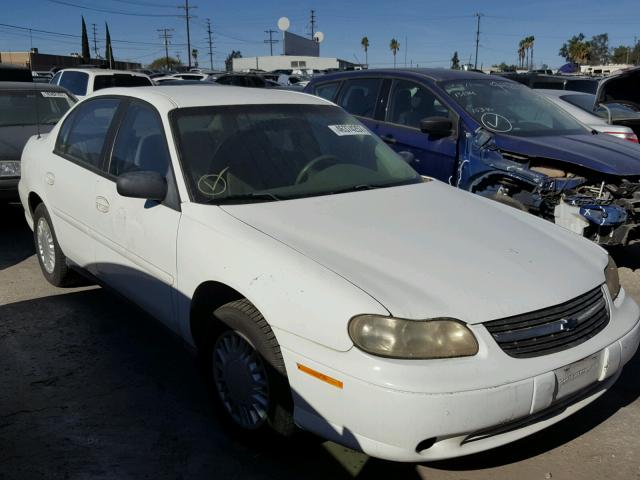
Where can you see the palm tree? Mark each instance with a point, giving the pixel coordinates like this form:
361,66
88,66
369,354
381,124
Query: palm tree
532,40
394,46
365,44
580,52
521,53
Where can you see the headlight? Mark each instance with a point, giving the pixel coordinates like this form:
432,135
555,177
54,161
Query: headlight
613,280
417,339
9,168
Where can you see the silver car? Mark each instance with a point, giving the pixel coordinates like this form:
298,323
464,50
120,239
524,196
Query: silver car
580,105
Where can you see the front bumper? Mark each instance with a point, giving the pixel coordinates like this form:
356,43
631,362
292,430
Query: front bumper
412,426
9,189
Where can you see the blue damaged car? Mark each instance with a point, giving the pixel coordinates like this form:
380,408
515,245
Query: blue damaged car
499,139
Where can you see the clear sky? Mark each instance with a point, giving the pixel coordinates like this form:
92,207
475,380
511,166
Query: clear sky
428,31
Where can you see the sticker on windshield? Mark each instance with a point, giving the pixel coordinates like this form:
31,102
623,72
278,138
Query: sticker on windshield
54,94
496,122
342,130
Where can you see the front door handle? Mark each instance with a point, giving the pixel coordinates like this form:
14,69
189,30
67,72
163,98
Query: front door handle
389,139
50,178
102,205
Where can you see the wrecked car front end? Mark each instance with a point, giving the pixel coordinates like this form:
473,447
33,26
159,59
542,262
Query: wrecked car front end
603,207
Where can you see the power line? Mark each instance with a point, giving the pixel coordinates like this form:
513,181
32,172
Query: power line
165,35
210,43
115,12
478,15
271,41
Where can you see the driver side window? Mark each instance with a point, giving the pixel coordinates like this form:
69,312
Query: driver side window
410,102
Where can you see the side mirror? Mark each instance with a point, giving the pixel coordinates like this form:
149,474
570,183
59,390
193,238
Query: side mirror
147,185
436,126
407,156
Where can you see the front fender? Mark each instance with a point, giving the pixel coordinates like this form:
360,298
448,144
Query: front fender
294,293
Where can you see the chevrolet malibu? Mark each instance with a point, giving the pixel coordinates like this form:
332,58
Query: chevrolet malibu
292,248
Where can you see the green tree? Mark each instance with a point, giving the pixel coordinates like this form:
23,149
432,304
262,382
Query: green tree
455,61
521,53
86,53
576,49
161,63
228,63
394,46
365,44
599,49
194,54
108,50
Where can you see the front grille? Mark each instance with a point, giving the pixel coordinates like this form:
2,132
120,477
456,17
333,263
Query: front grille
552,329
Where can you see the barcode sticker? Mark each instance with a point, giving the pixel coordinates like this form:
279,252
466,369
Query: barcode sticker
342,130
54,94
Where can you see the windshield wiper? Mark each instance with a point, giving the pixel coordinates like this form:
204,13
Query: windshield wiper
244,198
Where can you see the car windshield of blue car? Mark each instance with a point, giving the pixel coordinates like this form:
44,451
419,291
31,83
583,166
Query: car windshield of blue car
258,153
511,108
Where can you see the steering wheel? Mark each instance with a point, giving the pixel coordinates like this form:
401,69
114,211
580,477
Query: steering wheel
309,166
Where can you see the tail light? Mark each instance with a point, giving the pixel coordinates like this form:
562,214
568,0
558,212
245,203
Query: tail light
626,136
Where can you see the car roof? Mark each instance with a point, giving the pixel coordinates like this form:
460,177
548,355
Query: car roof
560,93
194,96
12,86
104,71
433,74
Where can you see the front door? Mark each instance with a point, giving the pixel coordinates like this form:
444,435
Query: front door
409,103
138,256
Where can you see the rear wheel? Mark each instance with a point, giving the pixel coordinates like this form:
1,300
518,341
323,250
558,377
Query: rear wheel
52,261
247,371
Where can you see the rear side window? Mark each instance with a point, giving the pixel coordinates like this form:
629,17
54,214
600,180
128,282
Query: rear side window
359,97
75,82
108,81
140,144
327,90
84,131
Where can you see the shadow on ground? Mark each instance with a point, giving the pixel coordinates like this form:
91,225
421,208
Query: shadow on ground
94,388
16,239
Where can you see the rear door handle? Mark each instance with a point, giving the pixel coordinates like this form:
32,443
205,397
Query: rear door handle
50,178
388,139
102,205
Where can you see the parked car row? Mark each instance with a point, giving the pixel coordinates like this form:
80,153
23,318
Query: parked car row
325,283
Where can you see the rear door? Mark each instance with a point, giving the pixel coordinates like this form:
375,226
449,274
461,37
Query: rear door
71,175
137,254
410,102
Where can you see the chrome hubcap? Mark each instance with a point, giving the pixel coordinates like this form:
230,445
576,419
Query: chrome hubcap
46,248
240,379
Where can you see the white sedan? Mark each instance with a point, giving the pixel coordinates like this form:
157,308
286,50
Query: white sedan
324,282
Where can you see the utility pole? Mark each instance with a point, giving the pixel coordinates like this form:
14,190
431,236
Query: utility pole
271,41
187,17
95,41
313,23
475,66
165,35
210,43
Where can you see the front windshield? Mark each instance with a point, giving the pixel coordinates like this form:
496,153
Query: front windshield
511,108
28,107
274,152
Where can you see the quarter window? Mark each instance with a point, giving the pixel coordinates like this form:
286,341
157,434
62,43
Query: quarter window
411,102
327,90
75,82
140,143
359,97
83,133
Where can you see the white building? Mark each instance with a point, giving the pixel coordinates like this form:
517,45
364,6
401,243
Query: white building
286,62
604,69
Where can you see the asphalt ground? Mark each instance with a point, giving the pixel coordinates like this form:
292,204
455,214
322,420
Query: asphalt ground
92,388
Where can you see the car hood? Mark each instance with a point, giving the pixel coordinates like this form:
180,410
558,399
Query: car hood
601,153
14,138
429,250
623,86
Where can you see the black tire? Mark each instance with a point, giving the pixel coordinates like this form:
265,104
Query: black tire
236,322
60,275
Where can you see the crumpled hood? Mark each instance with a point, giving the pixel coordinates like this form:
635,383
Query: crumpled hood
601,153
14,138
429,250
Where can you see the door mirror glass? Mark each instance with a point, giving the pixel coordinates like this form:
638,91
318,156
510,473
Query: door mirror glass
145,184
436,126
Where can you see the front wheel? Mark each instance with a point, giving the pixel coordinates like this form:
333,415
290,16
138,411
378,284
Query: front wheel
52,261
247,371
